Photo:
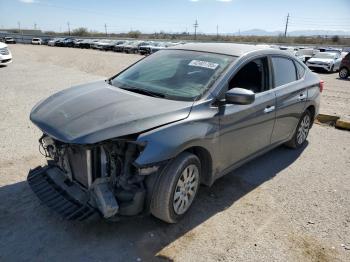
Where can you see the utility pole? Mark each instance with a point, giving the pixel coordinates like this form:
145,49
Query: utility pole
34,26
106,29
285,31
217,32
195,29
68,28
19,26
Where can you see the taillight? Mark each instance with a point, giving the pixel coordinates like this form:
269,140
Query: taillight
321,85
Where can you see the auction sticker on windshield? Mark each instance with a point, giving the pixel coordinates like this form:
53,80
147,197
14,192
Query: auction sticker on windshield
203,64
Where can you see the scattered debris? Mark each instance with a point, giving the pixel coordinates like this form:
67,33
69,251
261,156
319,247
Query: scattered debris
345,246
310,222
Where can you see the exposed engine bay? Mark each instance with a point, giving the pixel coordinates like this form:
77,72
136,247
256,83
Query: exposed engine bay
104,175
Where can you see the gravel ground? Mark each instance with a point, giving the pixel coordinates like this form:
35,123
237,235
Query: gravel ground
284,206
336,96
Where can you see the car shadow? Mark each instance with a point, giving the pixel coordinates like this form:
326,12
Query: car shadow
30,230
347,79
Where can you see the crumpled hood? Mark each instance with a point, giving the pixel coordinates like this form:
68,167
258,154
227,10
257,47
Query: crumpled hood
94,112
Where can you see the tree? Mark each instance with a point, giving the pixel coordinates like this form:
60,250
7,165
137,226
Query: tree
81,31
134,34
335,39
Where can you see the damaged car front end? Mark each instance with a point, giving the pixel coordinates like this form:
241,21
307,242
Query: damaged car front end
87,178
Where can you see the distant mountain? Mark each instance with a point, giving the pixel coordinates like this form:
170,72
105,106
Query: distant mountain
260,32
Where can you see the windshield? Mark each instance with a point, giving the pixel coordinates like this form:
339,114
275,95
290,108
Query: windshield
174,74
325,55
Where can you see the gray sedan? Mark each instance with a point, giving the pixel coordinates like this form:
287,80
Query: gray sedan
144,140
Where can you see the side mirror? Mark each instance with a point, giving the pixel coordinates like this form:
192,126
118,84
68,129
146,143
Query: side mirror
239,96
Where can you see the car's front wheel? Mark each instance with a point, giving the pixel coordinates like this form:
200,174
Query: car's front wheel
302,131
344,73
177,188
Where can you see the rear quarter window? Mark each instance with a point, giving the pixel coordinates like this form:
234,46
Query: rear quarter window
300,69
284,71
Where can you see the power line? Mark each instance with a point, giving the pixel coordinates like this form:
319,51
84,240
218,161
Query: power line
106,29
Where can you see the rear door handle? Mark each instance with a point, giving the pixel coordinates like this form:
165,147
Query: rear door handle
302,97
269,109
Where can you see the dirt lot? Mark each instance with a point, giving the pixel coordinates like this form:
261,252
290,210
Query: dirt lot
284,206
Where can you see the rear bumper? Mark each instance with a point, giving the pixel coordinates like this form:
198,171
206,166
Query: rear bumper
53,190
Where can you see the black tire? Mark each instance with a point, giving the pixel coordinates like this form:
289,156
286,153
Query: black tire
343,73
162,205
295,142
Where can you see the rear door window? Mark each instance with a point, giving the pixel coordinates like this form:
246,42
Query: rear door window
284,71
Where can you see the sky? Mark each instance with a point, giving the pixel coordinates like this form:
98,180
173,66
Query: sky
228,16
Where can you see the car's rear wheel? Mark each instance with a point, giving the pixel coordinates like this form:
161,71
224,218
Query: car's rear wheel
177,188
344,73
301,132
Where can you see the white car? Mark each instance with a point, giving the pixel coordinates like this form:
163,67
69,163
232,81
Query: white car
329,61
5,54
36,41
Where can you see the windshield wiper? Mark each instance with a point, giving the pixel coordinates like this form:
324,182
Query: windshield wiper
143,92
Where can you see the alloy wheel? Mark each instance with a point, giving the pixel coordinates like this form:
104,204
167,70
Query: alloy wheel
343,73
186,189
303,130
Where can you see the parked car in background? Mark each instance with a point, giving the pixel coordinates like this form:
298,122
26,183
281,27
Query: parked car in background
65,42
36,41
9,40
159,46
68,42
77,42
5,54
344,69
53,42
328,61
45,41
292,51
147,48
59,42
85,43
105,45
133,47
120,47
306,53
145,140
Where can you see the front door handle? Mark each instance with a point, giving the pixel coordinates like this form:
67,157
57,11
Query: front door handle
302,97
269,109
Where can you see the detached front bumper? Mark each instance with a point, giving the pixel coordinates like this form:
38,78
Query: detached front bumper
64,197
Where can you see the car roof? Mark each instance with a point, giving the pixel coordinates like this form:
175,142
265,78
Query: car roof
221,48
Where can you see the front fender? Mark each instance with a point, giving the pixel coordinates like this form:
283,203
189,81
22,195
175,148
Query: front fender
199,129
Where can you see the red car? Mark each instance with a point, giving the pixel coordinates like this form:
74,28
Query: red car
344,69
